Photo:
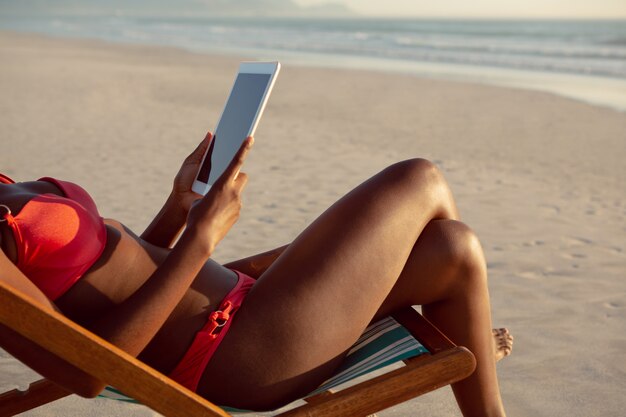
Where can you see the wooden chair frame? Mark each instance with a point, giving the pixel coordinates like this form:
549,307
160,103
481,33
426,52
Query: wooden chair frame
446,364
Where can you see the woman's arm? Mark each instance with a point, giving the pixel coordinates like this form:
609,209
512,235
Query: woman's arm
134,322
166,226
31,354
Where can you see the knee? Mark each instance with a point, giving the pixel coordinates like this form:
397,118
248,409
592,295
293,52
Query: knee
422,176
461,251
416,170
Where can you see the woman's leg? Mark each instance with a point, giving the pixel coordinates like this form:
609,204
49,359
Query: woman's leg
446,274
311,305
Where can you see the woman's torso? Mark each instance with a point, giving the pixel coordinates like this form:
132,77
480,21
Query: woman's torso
124,265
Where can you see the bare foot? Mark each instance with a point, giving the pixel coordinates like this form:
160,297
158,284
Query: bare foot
503,342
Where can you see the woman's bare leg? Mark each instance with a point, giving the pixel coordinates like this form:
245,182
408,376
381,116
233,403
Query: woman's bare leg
448,260
313,302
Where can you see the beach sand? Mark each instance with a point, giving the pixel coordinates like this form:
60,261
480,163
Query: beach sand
540,178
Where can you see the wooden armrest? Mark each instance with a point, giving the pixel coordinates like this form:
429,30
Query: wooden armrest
64,338
446,364
424,374
59,335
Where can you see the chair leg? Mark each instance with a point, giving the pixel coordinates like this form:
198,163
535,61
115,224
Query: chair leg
38,393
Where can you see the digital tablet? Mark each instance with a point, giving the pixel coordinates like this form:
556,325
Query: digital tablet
239,120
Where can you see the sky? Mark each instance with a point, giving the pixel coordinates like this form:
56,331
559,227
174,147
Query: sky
485,8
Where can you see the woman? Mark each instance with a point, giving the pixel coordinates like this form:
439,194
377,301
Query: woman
393,241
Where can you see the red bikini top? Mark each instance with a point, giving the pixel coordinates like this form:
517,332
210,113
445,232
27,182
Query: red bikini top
58,238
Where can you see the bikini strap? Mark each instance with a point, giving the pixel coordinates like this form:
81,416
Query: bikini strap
5,179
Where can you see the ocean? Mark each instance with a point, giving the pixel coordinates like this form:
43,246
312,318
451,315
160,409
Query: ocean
580,59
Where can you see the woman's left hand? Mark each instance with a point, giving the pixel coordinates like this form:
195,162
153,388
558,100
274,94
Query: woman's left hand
181,191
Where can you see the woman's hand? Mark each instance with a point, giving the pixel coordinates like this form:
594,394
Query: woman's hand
167,224
181,191
212,216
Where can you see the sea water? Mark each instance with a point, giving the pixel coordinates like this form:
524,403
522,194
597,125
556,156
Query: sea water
583,59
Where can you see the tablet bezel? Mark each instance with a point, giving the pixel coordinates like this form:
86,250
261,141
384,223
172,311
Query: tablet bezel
271,68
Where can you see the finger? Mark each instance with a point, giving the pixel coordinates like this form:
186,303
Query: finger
198,153
196,202
235,165
240,182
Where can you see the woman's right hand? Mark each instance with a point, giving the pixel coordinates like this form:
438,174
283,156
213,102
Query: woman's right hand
212,216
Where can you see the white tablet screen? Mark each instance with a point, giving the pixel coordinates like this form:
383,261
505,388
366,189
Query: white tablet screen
234,125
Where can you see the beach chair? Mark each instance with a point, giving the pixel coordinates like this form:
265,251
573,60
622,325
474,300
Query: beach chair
431,361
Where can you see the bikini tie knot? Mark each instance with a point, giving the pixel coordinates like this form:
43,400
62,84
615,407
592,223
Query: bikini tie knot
219,318
5,213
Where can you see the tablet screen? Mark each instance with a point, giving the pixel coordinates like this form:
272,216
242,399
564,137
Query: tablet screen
234,125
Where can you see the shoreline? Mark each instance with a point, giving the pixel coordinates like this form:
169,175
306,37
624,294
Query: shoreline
538,177
606,92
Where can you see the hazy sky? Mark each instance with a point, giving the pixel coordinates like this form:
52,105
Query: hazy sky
485,8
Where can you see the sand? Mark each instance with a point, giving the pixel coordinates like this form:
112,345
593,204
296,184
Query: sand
539,177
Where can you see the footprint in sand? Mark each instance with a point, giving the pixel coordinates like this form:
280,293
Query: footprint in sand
266,219
612,307
528,275
549,209
496,265
533,243
576,241
574,255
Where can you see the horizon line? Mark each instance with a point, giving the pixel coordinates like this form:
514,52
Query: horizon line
313,15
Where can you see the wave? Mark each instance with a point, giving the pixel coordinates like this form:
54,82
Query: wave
579,47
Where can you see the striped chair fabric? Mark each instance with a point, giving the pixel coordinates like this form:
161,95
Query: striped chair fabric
383,343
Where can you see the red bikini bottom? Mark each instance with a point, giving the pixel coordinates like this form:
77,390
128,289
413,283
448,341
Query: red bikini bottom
190,369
